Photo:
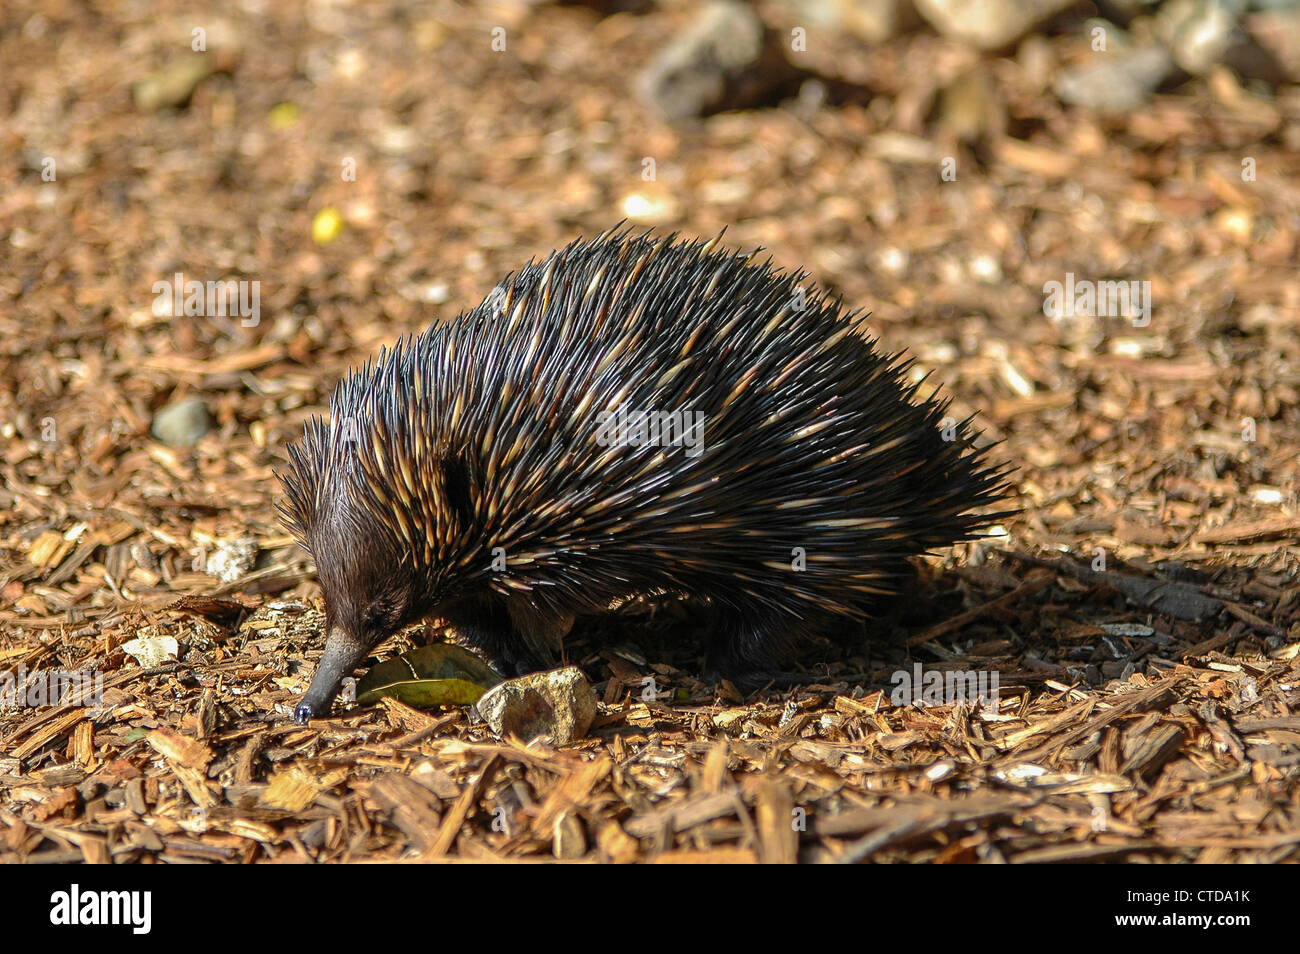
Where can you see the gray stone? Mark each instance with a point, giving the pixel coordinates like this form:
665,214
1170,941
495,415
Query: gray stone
988,24
876,21
182,423
725,59
1199,33
558,705
872,21
1117,81
232,559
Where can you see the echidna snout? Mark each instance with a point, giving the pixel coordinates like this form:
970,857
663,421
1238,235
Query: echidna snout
472,471
370,593
343,653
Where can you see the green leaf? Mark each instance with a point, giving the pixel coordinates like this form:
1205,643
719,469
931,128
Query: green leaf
438,675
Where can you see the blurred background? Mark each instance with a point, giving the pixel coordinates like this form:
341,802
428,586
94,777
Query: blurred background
356,171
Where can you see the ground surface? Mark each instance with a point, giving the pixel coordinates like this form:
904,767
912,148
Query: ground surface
1148,707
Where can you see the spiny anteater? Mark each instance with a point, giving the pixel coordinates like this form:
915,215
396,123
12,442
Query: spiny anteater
630,416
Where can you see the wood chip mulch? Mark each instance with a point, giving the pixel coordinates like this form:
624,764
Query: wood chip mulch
1189,752
1142,614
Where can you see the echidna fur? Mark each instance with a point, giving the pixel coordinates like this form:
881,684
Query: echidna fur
461,474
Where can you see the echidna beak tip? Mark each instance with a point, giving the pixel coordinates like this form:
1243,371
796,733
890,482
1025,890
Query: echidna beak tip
303,714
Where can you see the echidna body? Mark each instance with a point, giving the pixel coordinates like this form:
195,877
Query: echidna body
629,416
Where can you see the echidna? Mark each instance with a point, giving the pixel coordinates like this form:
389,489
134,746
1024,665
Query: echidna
632,415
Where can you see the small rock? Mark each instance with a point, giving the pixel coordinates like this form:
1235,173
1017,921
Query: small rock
1199,33
232,559
1121,81
876,21
724,60
151,651
182,423
1132,630
559,704
988,24
823,14
172,85
872,21
1276,33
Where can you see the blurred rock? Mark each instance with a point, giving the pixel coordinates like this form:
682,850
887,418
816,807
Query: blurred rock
822,14
183,423
232,559
1117,81
872,21
172,85
875,21
1203,34
724,60
559,705
1277,32
971,108
1199,33
988,24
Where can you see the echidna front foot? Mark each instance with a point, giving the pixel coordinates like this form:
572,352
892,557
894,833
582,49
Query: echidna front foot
753,680
749,678
745,648
512,663
485,626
